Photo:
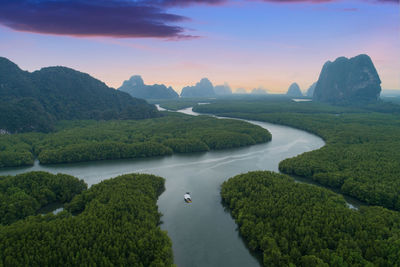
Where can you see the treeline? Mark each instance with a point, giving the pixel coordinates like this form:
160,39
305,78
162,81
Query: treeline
276,104
361,156
24,194
76,141
270,105
14,159
16,149
295,224
114,223
102,151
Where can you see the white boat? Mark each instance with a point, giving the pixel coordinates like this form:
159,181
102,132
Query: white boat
187,197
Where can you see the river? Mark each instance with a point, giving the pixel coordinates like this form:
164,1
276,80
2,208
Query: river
202,233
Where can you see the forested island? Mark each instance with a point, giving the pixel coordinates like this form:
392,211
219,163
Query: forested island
88,140
115,222
295,224
361,157
25,194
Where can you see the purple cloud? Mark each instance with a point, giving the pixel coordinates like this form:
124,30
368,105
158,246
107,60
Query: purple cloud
388,1
113,18
351,9
299,1
324,1
184,2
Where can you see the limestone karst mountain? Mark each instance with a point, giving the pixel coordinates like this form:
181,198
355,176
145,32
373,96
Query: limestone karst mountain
136,88
348,80
294,90
204,88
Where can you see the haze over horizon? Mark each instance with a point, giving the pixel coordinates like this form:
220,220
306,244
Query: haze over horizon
248,44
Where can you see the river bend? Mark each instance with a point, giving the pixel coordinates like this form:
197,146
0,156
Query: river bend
202,233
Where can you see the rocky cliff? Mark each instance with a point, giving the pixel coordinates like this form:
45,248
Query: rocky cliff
348,80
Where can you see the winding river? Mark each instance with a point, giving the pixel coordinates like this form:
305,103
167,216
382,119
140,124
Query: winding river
202,233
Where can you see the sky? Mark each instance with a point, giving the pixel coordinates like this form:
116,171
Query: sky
248,44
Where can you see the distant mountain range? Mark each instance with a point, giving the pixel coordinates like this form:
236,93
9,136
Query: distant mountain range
136,88
34,101
259,91
224,89
204,88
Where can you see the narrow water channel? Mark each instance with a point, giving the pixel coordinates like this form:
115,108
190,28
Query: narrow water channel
202,233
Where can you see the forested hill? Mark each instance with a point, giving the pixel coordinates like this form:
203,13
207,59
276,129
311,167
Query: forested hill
34,101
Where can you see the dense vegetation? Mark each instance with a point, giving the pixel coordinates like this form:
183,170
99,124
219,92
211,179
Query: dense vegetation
295,224
394,99
361,156
76,141
114,223
24,194
181,103
16,149
35,101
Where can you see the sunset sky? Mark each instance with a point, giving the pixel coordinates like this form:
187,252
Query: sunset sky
246,43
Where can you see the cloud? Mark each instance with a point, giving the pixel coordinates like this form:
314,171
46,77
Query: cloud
298,1
184,3
113,18
388,1
351,9
324,1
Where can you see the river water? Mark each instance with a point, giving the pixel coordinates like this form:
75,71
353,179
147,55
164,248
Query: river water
202,232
